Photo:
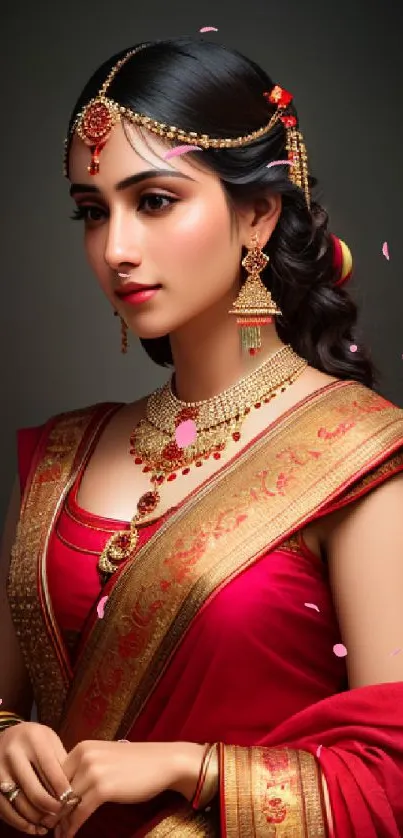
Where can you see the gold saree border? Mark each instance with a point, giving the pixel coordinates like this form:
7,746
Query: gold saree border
64,444
186,824
300,464
270,793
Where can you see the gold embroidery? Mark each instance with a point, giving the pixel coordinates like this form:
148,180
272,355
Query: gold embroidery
271,793
380,472
187,825
270,490
43,649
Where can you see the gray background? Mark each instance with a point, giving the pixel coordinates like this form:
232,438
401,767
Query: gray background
342,61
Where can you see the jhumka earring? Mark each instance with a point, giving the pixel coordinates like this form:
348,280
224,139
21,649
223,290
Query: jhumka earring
123,334
254,306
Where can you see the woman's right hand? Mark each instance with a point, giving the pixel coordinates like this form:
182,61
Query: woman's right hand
31,755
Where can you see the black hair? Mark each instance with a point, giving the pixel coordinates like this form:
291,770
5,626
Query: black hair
201,86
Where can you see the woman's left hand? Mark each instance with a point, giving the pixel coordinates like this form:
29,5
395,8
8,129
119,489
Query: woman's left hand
126,772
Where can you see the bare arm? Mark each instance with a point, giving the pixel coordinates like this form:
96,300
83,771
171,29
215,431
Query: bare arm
15,687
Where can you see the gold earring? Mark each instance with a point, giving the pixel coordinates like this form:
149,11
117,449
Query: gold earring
254,306
123,334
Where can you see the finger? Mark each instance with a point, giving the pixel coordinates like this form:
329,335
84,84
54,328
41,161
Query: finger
49,765
11,817
23,807
82,810
28,780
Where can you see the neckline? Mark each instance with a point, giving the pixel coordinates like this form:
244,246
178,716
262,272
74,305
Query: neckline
85,516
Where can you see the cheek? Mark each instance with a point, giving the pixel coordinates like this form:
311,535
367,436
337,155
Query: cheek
199,232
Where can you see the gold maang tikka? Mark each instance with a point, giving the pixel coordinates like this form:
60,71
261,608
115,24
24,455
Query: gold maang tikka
254,306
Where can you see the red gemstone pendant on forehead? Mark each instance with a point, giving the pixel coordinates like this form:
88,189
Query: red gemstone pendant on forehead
95,129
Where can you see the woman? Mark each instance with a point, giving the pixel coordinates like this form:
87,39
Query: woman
196,576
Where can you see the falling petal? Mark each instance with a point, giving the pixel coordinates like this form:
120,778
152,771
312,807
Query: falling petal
208,29
311,605
395,652
101,607
318,751
180,149
186,433
385,250
279,163
1,701
353,347
340,650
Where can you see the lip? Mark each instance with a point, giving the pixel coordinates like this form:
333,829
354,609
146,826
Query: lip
140,296
133,287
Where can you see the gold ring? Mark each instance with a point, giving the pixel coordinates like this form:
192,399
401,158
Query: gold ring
6,786
66,795
13,794
74,801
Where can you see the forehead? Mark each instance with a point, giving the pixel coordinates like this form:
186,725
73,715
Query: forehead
131,149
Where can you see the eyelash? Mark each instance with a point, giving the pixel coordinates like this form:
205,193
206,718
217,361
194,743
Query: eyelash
81,213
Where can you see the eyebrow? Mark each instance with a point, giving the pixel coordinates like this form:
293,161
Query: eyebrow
129,181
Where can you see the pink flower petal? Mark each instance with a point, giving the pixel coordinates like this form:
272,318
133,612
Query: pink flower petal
186,433
311,605
1,701
340,650
180,149
101,606
395,652
385,250
208,29
353,347
279,163
318,750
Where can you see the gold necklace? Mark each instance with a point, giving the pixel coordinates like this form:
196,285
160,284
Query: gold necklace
158,442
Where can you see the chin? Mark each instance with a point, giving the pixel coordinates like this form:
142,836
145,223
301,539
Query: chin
150,333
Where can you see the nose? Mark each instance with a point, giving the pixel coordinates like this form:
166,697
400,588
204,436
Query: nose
120,246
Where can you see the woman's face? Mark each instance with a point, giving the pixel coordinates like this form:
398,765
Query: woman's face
169,230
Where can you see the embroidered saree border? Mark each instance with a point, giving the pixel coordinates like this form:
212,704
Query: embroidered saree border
267,493
57,459
270,793
185,824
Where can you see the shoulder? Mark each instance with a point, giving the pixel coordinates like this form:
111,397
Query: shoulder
365,558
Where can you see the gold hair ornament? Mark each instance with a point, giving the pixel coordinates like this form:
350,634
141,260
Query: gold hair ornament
95,122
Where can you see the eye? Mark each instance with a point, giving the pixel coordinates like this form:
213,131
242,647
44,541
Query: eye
89,213
155,198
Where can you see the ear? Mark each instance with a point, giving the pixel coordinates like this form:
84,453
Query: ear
260,217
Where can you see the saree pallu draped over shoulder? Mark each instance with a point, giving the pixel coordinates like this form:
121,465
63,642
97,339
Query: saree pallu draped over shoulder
322,454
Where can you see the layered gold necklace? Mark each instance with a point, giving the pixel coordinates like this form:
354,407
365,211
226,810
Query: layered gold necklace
175,435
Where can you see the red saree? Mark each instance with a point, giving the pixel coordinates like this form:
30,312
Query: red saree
208,634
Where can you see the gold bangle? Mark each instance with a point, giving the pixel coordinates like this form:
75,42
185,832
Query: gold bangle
8,720
209,776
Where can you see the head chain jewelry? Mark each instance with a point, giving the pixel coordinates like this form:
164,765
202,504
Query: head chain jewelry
95,122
